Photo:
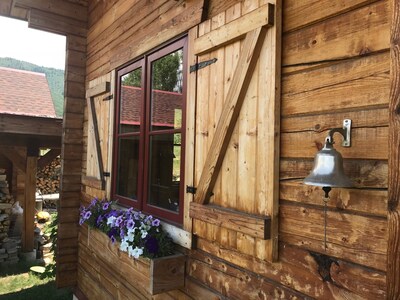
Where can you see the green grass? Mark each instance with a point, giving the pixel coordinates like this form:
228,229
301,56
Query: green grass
17,282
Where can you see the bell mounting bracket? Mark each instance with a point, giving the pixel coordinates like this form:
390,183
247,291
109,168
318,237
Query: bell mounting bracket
345,131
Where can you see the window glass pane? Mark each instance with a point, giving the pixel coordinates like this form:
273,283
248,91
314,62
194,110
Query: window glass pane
166,92
128,167
164,171
130,102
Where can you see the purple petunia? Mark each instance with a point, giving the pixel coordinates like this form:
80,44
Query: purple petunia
151,245
87,215
130,223
99,220
118,221
106,205
113,240
155,222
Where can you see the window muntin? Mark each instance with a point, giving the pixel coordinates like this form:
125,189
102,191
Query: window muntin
150,105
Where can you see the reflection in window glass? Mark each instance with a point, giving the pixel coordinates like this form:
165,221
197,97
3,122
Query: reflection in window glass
128,167
164,171
166,92
130,102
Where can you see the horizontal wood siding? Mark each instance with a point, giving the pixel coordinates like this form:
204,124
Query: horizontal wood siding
336,65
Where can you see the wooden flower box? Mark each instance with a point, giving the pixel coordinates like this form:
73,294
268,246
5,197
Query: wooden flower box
150,276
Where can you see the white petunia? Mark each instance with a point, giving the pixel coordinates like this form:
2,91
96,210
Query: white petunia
130,237
130,250
144,234
111,221
124,246
137,252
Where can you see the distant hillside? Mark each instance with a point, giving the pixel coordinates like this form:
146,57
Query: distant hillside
55,78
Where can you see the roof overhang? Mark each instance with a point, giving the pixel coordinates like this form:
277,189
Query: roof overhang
20,130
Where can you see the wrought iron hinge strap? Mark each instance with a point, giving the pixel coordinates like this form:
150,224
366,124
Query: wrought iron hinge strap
108,98
191,189
202,64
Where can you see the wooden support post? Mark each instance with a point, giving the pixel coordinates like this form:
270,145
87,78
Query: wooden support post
29,205
393,254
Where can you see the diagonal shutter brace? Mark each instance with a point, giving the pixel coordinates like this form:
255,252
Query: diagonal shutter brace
202,64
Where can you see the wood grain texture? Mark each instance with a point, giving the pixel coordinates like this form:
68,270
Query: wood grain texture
393,271
29,204
241,78
71,160
316,11
369,202
256,226
63,8
358,32
236,283
307,144
298,270
350,237
349,84
223,35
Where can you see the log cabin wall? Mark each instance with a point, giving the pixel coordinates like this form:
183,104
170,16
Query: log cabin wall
66,17
335,65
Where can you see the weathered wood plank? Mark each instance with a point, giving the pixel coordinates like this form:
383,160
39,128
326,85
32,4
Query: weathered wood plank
198,291
58,7
190,128
263,16
48,158
241,79
144,33
336,72
15,157
297,269
369,202
307,144
42,20
357,32
107,277
393,249
167,274
256,226
363,173
236,283
315,10
373,117
30,125
100,88
29,204
349,237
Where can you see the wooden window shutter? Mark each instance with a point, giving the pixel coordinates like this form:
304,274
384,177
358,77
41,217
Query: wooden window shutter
234,112
99,147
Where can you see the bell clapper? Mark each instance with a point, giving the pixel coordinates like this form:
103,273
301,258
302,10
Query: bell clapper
326,198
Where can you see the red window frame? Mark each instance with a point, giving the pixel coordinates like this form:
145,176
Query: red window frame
145,133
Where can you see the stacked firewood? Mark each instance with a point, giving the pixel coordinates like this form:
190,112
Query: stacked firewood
8,246
48,179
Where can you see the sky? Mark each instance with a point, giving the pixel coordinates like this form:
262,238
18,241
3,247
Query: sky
31,45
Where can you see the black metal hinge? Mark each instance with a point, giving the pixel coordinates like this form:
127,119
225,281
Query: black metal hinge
106,174
191,189
108,98
202,64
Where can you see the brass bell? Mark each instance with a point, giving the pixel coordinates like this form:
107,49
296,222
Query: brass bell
328,169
